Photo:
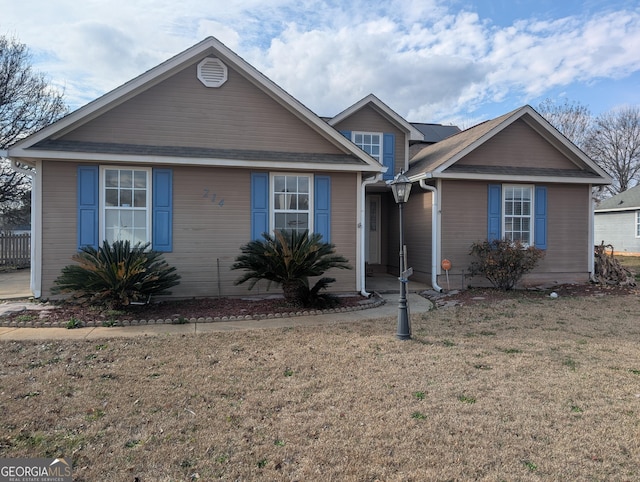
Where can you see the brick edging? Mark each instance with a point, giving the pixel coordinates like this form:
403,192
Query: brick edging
179,321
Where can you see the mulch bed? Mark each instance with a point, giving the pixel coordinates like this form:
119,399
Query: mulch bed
491,295
171,311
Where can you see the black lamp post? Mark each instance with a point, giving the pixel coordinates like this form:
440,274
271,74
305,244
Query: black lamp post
401,187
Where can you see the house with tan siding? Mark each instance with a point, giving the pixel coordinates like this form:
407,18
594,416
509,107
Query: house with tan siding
514,177
198,156
203,153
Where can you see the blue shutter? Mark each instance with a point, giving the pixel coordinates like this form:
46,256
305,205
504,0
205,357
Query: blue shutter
540,234
88,205
389,155
494,212
347,134
162,210
259,204
322,207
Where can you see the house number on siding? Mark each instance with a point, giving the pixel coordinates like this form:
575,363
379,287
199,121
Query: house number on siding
213,197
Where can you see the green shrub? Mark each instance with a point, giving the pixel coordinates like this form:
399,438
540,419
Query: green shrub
503,262
290,258
116,275
73,323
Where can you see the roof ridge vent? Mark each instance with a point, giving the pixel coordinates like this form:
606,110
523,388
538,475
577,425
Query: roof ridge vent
212,72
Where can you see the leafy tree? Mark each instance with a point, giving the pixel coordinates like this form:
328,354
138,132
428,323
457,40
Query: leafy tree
116,274
27,104
290,258
614,143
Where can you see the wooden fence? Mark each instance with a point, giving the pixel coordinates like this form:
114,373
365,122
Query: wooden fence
15,250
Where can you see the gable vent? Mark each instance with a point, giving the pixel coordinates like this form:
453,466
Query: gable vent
212,72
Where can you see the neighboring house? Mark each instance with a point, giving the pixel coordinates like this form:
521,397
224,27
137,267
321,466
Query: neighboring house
513,177
617,222
203,153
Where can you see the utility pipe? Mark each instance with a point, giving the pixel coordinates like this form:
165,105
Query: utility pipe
434,234
363,255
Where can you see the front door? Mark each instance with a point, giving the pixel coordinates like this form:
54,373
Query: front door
372,238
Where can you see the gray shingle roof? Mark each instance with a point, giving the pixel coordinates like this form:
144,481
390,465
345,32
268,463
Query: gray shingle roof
194,152
437,154
627,200
435,132
522,171
434,158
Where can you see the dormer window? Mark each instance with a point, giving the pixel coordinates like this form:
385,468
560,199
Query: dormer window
369,142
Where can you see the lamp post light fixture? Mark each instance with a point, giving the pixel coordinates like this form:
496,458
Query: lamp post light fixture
401,187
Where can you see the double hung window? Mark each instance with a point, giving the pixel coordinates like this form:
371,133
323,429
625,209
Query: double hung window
126,201
291,202
518,214
637,224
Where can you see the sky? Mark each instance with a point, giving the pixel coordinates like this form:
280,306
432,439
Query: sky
453,62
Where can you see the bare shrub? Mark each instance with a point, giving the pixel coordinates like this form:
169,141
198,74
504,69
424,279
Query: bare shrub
503,262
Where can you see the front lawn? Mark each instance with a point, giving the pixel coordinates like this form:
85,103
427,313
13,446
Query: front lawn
522,389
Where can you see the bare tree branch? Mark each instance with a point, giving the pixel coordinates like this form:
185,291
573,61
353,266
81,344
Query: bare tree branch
27,104
571,118
614,143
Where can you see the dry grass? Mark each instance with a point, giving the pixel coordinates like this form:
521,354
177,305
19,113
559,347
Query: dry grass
632,263
533,389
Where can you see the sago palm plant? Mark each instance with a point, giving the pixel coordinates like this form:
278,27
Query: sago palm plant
116,274
290,258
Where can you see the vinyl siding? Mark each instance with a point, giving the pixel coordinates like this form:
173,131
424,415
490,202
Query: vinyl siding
59,214
206,235
464,221
619,230
180,111
418,233
517,145
368,120
568,229
344,232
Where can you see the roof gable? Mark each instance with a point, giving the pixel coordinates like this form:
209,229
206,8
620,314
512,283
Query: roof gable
443,159
517,145
181,112
113,102
384,110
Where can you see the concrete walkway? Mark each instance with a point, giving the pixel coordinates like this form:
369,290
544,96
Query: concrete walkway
15,284
417,304
14,290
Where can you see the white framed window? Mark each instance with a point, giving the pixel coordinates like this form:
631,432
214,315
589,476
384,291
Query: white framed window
518,209
125,202
637,224
369,142
291,202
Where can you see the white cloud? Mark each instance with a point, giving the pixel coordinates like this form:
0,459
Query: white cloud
423,58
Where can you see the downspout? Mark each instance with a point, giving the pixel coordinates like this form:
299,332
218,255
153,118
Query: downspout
434,234
363,271
592,235
34,276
